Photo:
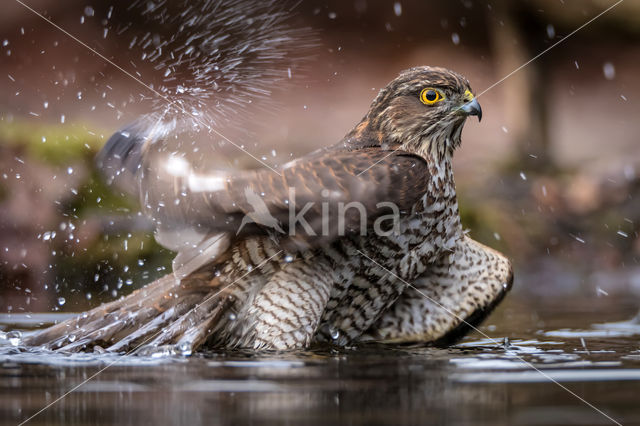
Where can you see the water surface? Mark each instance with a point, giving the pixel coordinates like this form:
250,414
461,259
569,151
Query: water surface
544,362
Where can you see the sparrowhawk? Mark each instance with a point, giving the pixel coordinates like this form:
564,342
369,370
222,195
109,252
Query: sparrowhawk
375,249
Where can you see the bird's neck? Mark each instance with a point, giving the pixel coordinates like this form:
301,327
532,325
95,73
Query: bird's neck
432,143
436,142
436,150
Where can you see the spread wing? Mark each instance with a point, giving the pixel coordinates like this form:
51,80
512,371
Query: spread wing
308,202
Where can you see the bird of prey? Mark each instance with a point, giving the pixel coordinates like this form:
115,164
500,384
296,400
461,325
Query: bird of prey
372,246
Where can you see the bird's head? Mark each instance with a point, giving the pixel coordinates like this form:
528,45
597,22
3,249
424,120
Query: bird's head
423,110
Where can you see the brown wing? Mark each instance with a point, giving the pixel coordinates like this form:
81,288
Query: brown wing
308,202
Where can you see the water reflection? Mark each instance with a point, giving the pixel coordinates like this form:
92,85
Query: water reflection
487,381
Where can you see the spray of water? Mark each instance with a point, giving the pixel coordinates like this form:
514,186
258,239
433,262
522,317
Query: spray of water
219,60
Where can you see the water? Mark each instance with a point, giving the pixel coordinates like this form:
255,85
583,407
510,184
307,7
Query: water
585,345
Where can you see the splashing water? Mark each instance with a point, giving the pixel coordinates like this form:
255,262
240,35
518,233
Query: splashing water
217,58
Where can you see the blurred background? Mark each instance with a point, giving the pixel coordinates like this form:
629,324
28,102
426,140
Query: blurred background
551,176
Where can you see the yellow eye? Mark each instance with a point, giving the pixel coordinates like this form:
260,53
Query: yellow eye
430,96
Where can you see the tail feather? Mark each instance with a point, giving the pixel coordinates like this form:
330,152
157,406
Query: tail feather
144,333
193,328
190,318
164,312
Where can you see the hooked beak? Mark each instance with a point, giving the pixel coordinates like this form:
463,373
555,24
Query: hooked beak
472,108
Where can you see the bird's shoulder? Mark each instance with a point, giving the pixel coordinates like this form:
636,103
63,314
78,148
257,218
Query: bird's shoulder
366,161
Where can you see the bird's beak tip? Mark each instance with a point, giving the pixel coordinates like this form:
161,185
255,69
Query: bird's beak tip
473,108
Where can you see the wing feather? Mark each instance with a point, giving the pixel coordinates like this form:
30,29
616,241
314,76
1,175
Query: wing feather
316,188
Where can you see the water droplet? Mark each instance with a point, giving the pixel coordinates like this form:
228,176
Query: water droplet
288,258
455,38
232,317
183,349
578,239
88,10
61,301
609,71
523,176
14,337
332,15
397,8
551,31
335,334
